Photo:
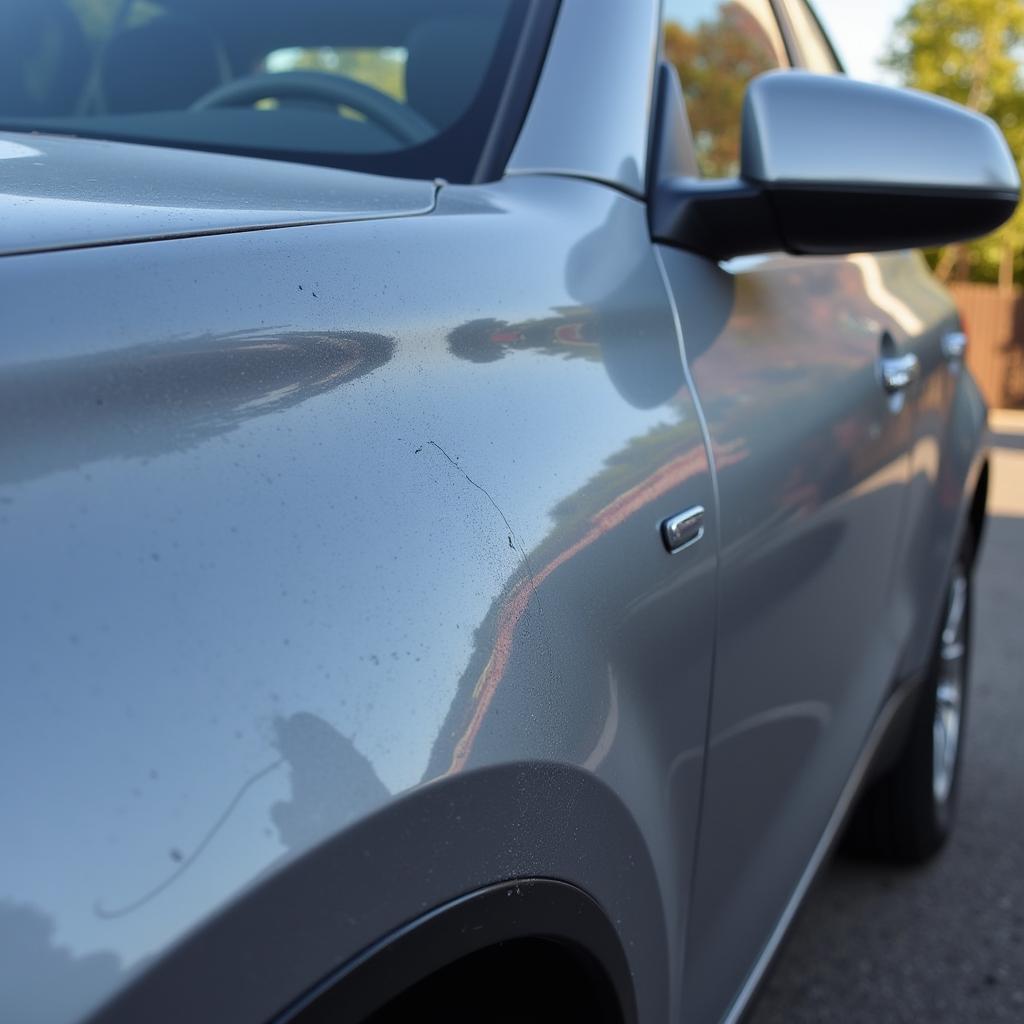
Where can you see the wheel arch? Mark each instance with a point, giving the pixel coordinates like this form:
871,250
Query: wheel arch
313,919
489,944
979,508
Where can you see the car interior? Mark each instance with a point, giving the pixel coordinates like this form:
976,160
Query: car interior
309,79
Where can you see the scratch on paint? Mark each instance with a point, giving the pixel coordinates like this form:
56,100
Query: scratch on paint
497,508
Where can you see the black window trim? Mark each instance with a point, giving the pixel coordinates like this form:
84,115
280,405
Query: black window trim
660,87
785,19
521,84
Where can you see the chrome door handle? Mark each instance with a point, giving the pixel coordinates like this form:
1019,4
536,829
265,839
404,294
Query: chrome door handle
954,345
679,532
899,372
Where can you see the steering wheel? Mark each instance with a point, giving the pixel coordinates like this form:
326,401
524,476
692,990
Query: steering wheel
396,118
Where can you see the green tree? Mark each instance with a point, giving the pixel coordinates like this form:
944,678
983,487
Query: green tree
715,60
971,51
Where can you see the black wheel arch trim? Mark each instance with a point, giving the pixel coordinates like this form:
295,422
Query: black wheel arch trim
979,504
309,913
529,908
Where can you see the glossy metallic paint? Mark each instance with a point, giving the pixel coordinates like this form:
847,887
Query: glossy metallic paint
591,112
817,600
313,538
334,587
62,193
915,139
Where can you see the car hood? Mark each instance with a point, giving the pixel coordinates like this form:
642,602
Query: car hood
58,192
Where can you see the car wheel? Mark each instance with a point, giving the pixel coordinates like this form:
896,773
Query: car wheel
908,814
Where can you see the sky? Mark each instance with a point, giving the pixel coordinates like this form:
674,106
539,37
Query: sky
860,30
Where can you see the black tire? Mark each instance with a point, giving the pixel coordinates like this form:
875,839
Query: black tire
907,815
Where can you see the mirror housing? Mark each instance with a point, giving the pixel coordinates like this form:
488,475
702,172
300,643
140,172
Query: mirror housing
832,165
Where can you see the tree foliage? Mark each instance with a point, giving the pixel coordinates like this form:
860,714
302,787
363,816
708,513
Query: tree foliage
971,51
715,61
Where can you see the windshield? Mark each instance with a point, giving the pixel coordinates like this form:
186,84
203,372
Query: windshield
404,87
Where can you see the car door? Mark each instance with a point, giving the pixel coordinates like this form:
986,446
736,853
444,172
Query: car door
810,454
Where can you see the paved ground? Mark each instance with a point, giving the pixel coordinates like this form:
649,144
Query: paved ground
946,943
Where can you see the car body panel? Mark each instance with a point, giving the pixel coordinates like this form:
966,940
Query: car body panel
301,522
591,112
307,917
781,151
813,467
60,193
334,581
947,456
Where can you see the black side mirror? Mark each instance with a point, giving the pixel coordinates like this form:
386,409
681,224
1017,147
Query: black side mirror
831,165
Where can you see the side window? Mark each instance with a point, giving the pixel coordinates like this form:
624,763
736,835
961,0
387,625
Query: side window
814,48
717,47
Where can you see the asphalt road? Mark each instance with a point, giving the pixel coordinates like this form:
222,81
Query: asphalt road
944,943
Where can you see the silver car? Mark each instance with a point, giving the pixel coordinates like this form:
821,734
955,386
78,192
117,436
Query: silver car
488,497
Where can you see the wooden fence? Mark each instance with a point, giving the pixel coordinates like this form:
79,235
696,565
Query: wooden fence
994,321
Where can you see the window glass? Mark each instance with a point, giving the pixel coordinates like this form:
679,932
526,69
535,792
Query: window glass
382,67
404,87
817,54
717,47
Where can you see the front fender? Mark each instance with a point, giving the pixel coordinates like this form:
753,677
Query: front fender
306,523
309,916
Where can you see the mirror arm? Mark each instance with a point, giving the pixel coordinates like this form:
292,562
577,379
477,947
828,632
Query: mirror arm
719,218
